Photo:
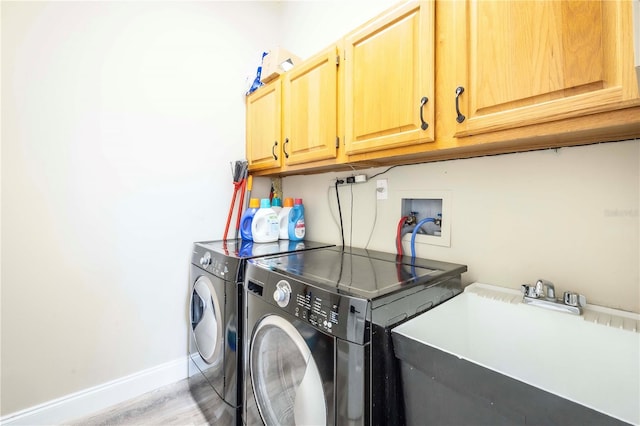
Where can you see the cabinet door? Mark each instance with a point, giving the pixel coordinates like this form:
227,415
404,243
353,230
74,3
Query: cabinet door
530,62
264,127
389,80
310,109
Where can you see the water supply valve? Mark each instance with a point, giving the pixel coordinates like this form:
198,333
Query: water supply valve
412,219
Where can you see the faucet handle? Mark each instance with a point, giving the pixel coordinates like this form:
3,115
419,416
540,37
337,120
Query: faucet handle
539,288
570,298
574,299
529,290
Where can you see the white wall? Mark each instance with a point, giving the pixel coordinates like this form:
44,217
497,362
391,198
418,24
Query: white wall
119,120
309,26
570,216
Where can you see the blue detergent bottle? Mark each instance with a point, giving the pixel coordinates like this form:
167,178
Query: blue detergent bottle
247,218
296,221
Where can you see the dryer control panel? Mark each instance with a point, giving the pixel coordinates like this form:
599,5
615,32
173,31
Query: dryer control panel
319,312
215,263
344,317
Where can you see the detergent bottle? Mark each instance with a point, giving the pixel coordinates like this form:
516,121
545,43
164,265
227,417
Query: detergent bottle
265,225
247,218
296,221
283,218
276,205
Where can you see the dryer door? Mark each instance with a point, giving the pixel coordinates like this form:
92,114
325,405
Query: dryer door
287,384
206,321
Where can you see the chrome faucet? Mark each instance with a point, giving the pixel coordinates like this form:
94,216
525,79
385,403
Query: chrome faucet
543,294
550,289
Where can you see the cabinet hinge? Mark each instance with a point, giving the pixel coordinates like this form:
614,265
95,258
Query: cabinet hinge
337,59
337,142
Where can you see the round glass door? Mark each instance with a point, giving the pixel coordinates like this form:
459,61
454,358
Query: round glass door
285,378
206,320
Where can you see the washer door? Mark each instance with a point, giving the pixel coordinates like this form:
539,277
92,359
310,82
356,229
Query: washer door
206,320
285,378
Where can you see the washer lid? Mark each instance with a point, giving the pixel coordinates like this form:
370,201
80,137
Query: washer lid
361,273
285,378
243,249
226,258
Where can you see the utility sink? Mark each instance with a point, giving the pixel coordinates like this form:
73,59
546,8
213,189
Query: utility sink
591,360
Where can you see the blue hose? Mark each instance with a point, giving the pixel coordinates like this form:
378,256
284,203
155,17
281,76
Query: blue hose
415,232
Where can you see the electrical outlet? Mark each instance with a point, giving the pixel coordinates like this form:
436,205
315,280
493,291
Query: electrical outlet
382,190
351,179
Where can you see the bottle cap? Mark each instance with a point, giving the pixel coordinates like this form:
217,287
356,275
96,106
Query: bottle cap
298,201
288,202
265,203
276,202
254,203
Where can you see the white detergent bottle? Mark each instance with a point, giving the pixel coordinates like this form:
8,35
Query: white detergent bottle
276,205
265,227
283,218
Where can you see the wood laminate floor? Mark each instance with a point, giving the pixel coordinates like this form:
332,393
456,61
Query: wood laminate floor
172,405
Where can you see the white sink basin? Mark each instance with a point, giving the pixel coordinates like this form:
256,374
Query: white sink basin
592,359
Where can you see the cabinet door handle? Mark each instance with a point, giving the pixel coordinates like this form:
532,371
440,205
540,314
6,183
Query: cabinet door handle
459,91
284,148
423,102
273,150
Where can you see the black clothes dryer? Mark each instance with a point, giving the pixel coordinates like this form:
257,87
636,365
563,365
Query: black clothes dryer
318,333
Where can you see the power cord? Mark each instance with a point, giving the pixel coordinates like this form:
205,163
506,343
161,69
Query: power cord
339,182
341,225
351,220
385,171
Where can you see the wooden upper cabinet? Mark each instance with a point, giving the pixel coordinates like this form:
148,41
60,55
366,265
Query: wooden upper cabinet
263,123
310,109
530,62
530,75
389,80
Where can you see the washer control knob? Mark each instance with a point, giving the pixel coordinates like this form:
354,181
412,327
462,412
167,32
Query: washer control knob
205,260
282,293
279,295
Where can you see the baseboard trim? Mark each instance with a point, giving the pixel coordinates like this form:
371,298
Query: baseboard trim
91,400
